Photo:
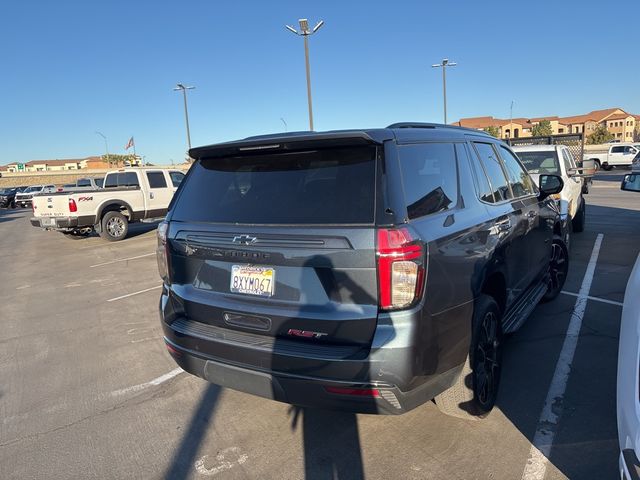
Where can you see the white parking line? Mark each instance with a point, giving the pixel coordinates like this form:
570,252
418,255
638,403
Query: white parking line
151,383
552,410
134,293
595,299
121,260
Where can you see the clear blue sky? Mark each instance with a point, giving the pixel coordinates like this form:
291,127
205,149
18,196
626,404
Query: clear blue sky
70,68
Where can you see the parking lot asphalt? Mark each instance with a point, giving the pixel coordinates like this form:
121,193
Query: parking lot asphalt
87,389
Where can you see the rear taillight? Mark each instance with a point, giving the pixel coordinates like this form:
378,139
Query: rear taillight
161,252
356,392
72,205
401,268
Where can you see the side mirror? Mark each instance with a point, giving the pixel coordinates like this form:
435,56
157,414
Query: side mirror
550,185
587,169
631,182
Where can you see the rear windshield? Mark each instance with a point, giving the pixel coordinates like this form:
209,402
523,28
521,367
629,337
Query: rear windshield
328,186
540,162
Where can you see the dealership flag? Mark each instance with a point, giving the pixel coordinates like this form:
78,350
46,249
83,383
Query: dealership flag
130,144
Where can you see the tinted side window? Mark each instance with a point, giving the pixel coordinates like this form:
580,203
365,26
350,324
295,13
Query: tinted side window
84,182
617,149
156,180
480,179
176,178
126,179
519,179
430,177
494,171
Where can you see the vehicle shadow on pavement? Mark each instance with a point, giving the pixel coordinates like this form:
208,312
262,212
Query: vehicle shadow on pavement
331,440
181,466
331,444
9,215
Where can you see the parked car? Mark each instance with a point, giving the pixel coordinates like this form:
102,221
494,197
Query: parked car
609,156
129,195
8,197
82,184
23,199
363,270
628,396
557,160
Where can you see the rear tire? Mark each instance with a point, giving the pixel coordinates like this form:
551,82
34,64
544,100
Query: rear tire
579,221
474,394
558,269
115,226
606,167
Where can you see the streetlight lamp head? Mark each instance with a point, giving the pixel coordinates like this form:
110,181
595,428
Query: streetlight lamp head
179,86
304,25
445,61
291,29
318,26
436,65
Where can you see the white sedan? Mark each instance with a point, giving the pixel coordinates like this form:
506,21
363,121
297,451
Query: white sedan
628,398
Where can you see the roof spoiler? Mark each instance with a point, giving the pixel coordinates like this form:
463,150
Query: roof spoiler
284,142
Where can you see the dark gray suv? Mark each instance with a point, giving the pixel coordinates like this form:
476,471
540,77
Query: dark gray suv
363,270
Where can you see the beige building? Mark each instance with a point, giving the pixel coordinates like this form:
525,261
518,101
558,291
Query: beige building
623,125
56,165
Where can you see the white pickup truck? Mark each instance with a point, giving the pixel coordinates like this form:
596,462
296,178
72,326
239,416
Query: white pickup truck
129,195
611,155
558,160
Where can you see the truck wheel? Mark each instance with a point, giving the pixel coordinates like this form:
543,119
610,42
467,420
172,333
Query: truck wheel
578,222
558,269
606,167
597,162
115,226
474,394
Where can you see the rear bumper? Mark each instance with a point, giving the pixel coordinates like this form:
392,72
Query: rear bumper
61,223
310,391
403,370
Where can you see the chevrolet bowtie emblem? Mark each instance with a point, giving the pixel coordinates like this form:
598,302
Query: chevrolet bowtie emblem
244,239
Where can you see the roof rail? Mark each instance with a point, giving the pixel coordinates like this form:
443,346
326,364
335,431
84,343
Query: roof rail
415,125
434,125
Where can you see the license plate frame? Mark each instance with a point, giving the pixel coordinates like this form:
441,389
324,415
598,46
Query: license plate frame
255,280
48,222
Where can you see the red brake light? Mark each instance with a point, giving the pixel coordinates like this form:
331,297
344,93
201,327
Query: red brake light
72,205
401,268
359,392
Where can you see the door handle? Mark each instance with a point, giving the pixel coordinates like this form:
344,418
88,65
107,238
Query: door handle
151,195
503,225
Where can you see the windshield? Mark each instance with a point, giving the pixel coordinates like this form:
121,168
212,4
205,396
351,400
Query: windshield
5,191
32,189
540,162
310,187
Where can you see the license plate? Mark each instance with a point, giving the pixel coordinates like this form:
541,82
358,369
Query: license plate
253,280
49,222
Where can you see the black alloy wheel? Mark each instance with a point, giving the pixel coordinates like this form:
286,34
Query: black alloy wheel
558,269
487,361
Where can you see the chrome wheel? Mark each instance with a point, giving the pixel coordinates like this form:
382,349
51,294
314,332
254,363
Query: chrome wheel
115,227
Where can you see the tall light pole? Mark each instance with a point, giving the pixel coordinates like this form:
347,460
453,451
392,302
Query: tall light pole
184,89
511,120
106,145
305,32
445,63
286,127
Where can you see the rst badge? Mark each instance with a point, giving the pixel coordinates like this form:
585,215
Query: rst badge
294,332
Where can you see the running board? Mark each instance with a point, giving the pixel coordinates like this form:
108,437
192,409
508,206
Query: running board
521,310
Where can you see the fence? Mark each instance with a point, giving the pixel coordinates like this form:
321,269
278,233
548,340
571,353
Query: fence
574,141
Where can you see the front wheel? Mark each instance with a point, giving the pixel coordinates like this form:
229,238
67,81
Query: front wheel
115,226
474,393
558,269
606,167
